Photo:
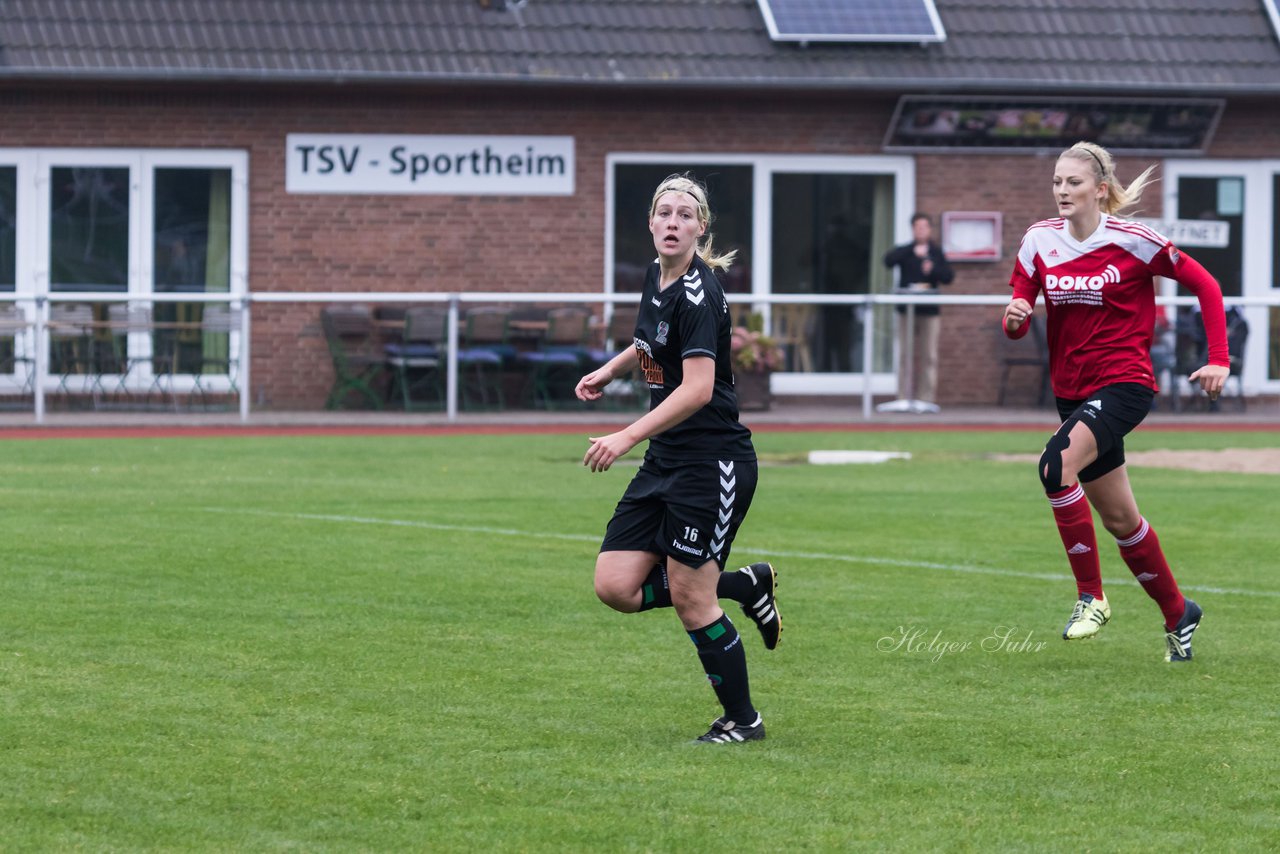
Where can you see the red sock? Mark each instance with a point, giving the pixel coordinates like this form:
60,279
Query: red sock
1075,525
1141,550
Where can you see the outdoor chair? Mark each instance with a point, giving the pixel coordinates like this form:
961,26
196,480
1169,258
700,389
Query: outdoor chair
619,335
72,348
218,358
1030,351
1192,352
358,364
418,359
485,354
793,330
15,348
125,321
557,365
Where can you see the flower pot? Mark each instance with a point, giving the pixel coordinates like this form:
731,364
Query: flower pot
752,388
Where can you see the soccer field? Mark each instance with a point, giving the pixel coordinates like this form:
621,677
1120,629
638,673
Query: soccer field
391,643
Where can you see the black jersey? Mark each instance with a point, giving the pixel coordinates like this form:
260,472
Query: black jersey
690,318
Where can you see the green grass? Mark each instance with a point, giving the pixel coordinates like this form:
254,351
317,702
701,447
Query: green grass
335,644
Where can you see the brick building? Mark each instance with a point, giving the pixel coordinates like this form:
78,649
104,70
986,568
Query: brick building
169,146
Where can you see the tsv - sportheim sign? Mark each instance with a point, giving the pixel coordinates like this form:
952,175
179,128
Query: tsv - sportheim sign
449,165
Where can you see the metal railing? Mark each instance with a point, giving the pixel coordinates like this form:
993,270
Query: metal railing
863,303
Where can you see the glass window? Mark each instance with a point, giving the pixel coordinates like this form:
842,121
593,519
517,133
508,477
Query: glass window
829,233
8,228
729,192
192,229
1211,198
8,256
192,239
89,228
1275,230
1273,355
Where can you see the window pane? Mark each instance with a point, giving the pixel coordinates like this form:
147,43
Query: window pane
192,230
8,227
1200,198
829,233
89,228
1275,231
1273,342
729,192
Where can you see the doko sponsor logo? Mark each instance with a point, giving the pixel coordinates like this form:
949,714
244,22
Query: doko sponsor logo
1068,282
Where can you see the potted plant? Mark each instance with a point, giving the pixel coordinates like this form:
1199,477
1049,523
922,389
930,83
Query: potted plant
755,357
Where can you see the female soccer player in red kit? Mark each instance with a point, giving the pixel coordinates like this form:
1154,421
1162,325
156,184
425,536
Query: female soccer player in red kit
1096,273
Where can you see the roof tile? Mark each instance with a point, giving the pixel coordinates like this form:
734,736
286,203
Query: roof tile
995,45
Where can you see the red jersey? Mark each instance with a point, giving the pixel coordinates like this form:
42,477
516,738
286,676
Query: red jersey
1100,300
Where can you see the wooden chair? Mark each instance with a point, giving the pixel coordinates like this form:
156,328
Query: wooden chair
418,359
485,353
619,335
793,330
131,387
358,364
15,349
217,322
72,348
556,366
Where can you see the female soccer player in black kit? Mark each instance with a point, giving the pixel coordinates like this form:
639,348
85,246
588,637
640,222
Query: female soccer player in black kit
670,535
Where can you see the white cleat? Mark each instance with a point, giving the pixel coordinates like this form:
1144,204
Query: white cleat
1087,618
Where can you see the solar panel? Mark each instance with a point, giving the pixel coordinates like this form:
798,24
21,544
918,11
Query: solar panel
852,20
1274,14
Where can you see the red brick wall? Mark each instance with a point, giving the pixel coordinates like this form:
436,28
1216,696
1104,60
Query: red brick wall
443,243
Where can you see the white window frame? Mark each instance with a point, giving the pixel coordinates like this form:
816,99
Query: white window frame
1258,177
24,257
765,166
32,256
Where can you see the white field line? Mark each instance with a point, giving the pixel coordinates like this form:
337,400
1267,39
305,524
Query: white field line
772,554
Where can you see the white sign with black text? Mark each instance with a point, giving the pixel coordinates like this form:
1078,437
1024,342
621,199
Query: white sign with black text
421,165
1190,233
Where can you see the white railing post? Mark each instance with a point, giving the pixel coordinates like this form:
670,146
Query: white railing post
242,363
868,333
451,368
41,356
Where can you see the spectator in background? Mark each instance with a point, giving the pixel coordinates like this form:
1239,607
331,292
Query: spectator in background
922,267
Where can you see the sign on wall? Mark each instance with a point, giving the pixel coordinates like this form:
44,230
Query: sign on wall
977,123
972,235
1211,233
450,165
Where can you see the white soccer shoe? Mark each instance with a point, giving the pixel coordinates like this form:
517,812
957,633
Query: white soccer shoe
1087,618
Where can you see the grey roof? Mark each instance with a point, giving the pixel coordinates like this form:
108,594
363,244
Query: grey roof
1217,47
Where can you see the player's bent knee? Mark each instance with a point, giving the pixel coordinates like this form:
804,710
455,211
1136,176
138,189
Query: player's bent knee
618,596
1050,470
1050,466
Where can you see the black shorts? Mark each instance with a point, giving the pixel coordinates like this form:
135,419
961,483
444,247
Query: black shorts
1111,413
687,510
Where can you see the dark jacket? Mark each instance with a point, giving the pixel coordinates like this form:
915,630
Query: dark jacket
910,270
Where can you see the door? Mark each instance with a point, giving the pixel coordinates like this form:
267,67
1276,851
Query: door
1245,195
